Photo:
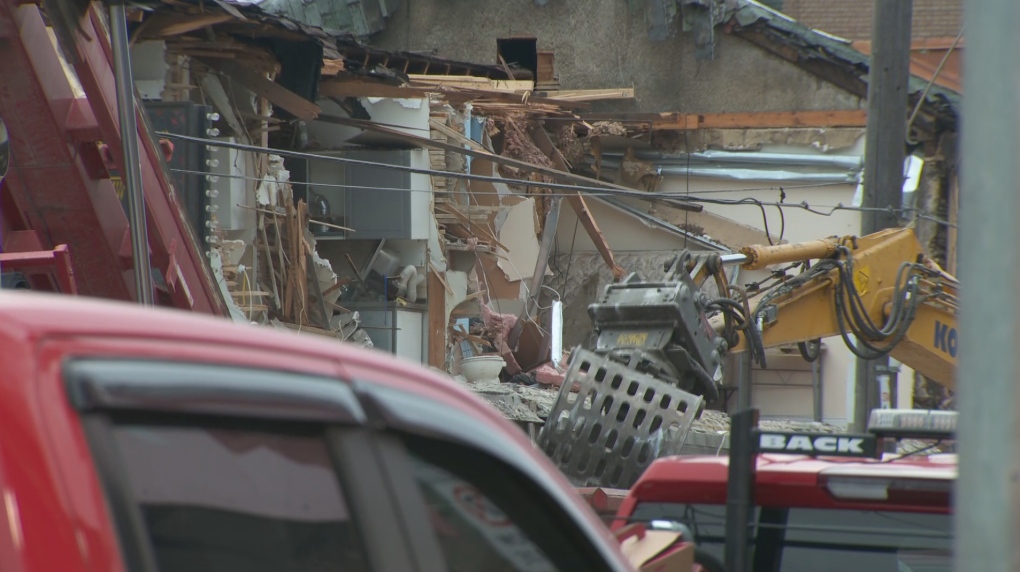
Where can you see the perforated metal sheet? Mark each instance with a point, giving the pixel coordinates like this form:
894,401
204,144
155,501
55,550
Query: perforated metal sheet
618,422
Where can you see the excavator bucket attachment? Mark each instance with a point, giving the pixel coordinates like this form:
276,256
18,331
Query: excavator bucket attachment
617,423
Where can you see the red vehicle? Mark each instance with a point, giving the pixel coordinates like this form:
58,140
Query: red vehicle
825,514
138,440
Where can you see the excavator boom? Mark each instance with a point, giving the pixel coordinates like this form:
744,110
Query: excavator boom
657,357
877,270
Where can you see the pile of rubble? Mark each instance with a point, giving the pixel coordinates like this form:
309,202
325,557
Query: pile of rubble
717,422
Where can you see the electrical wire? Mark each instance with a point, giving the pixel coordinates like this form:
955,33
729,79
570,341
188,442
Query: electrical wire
591,190
663,197
687,148
415,170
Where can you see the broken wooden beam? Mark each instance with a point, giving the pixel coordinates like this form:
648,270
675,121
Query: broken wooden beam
263,87
437,320
576,201
342,88
575,95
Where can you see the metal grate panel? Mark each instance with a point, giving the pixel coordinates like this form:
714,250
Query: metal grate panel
617,423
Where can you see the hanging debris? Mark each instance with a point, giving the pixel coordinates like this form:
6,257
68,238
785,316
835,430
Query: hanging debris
301,285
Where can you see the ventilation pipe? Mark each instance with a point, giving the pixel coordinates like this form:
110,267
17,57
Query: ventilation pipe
408,282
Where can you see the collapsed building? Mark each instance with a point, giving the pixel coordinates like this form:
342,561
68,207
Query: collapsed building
440,209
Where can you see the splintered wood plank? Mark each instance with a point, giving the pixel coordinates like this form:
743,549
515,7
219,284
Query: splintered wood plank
342,88
175,25
577,202
263,87
269,260
573,95
437,332
435,271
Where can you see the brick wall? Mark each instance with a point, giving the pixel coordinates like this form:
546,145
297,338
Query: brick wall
851,19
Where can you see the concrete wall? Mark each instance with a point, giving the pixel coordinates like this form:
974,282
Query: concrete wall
604,44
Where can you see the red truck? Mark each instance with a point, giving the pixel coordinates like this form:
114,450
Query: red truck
891,514
144,440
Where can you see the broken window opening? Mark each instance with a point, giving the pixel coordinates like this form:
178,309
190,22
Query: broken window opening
520,55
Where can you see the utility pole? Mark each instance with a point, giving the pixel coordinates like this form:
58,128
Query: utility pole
987,499
883,157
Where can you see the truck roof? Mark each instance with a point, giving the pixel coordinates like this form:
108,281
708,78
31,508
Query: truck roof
910,484
30,316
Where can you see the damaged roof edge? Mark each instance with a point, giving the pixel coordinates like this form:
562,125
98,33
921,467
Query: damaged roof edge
749,13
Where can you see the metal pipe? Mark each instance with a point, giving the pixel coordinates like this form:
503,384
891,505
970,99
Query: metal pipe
816,382
759,256
733,259
740,490
759,174
743,173
128,119
847,162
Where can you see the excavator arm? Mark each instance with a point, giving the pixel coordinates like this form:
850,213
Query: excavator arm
658,345
880,293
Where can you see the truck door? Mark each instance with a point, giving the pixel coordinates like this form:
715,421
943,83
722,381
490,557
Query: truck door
476,507
212,468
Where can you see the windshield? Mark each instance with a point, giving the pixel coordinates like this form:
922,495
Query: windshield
820,540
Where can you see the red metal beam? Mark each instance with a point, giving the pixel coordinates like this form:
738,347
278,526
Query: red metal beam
46,186
56,262
56,180
174,249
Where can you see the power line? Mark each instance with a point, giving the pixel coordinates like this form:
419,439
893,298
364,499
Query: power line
416,170
595,192
746,201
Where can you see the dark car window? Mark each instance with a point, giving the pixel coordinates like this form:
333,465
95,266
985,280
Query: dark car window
808,540
227,500
488,519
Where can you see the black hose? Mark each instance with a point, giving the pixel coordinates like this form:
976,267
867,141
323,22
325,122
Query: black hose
811,350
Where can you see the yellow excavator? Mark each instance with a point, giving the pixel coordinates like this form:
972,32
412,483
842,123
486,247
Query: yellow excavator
658,349
879,292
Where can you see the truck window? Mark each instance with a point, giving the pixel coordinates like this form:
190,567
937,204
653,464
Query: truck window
488,519
231,500
808,539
